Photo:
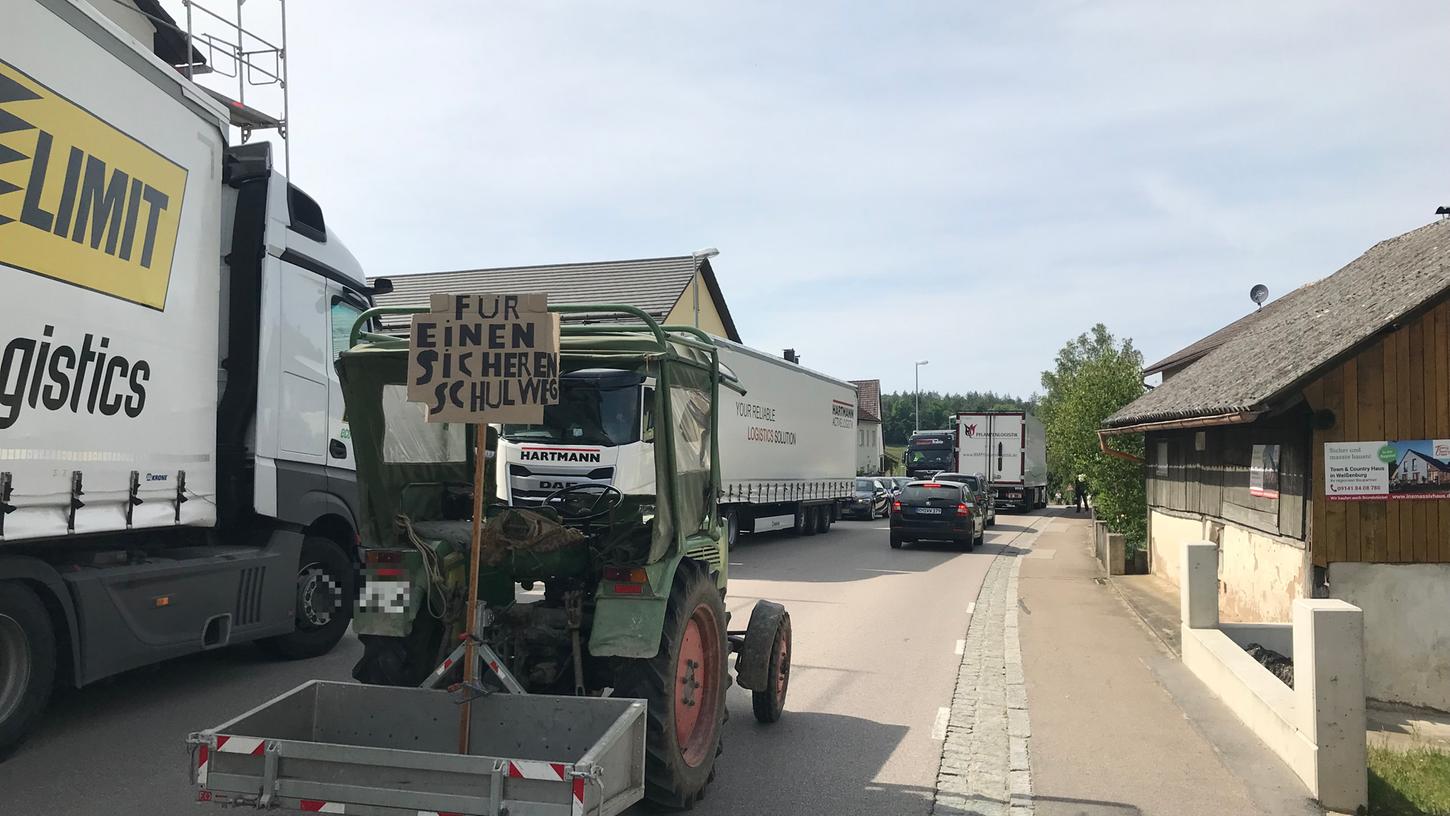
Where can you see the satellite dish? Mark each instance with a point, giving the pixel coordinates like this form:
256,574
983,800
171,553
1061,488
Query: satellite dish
1259,294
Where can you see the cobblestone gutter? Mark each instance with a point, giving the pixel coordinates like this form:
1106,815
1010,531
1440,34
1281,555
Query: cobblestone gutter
986,767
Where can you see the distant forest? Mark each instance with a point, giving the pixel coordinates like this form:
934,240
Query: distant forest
899,417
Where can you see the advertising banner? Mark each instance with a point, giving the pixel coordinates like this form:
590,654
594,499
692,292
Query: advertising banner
1405,469
1264,472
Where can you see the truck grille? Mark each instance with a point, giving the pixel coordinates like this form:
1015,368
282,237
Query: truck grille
249,596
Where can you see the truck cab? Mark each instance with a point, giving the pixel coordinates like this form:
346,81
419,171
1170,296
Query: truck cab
304,290
602,431
930,452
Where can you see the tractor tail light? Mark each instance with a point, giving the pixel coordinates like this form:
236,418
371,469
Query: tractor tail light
628,575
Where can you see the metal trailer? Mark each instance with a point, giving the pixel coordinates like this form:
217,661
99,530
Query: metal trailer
330,747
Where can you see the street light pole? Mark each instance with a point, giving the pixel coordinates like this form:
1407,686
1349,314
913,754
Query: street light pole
919,364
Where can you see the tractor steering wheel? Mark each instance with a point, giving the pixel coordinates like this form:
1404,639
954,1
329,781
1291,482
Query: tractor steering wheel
573,503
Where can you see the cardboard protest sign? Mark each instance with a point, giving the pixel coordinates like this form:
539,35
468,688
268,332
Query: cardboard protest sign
484,358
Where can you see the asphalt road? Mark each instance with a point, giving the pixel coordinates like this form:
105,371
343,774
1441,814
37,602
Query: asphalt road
874,660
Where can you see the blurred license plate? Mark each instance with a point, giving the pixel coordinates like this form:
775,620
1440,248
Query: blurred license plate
930,511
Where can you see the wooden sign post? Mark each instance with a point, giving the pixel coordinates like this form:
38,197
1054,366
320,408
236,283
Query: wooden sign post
483,359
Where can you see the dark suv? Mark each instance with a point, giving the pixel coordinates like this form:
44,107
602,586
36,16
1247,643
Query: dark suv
976,485
936,511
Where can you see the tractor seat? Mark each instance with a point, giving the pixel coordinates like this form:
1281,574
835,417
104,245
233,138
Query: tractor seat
458,533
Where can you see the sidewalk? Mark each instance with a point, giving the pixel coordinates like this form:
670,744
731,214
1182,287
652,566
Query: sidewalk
1119,726
1390,725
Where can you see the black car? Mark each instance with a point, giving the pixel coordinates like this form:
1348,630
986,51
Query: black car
977,486
871,500
936,511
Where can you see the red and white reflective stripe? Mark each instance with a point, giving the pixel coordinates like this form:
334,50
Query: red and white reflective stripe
251,746
577,805
533,769
317,806
240,745
202,756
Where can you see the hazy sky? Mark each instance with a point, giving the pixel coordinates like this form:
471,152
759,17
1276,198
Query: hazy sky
967,182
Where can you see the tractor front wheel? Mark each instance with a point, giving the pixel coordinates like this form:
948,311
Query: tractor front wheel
684,685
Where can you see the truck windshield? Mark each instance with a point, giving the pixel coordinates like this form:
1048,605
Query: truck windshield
929,458
587,414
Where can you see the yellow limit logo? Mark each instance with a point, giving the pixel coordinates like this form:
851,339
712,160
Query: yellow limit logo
80,201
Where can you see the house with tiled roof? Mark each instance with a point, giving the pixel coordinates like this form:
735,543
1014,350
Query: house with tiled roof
869,445
1307,441
680,289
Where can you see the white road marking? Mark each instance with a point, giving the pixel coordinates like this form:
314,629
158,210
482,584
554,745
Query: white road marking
972,608
939,728
961,647
736,564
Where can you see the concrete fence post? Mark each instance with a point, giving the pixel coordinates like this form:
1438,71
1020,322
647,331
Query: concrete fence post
1329,698
1198,585
1117,554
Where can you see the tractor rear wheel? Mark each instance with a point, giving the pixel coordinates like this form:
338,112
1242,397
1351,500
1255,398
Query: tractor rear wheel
685,687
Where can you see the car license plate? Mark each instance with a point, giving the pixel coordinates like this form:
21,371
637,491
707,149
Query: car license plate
929,511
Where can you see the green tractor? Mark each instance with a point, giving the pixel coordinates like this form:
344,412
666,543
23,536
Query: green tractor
594,592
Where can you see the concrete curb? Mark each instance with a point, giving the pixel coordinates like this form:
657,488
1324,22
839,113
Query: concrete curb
986,763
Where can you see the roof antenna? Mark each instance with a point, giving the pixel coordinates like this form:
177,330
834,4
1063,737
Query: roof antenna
1259,294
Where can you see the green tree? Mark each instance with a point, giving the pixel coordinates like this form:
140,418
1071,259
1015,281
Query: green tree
1093,377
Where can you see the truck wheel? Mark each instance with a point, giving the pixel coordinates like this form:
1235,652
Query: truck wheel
769,704
823,519
809,520
685,687
27,662
730,517
326,589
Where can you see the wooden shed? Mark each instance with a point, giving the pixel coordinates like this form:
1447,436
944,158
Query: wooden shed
1311,441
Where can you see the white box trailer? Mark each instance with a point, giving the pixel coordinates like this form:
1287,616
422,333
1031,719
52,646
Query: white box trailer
787,446
1009,448
174,470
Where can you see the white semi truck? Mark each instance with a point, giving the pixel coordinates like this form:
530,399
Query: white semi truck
175,474
1009,448
787,446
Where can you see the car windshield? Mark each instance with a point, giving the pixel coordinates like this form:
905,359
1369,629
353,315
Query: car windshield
921,494
959,478
585,415
865,486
